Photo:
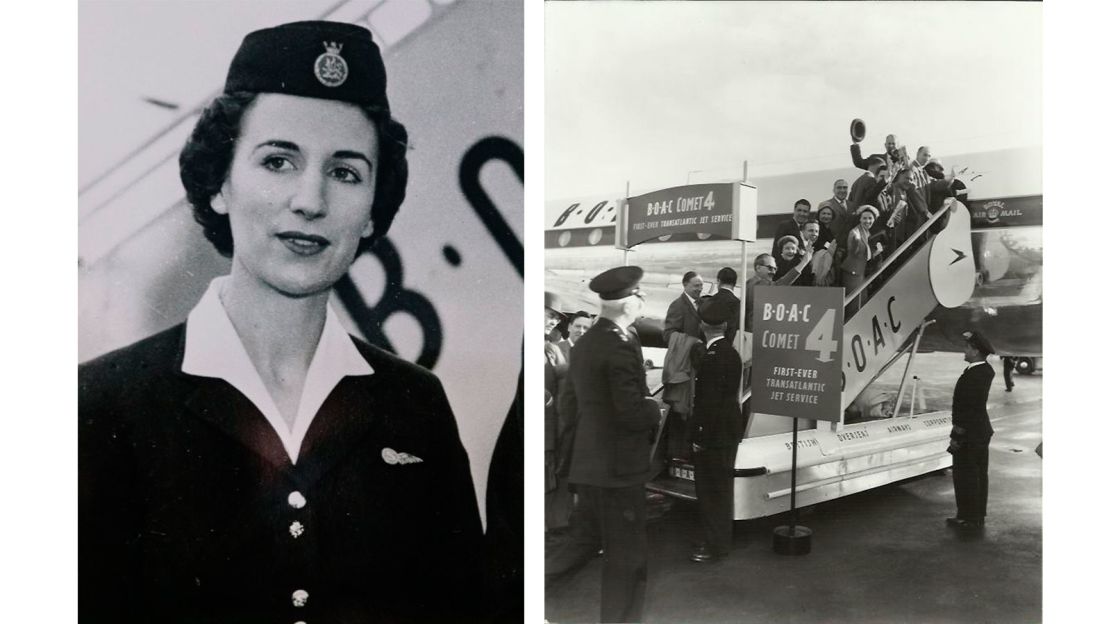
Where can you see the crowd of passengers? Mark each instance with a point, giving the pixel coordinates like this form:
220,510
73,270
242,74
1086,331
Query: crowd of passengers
853,231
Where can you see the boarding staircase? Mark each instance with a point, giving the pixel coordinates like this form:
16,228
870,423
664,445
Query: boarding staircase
833,460
923,272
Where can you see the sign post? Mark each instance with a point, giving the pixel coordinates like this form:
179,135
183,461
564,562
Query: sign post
796,363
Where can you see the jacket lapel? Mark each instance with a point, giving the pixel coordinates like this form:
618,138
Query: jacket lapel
354,408
221,405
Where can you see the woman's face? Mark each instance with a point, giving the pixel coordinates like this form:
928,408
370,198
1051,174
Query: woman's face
867,219
550,321
825,216
789,250
299,191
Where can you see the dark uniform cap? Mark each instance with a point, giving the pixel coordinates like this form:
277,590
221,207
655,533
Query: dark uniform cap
715,311
617,283
978,341
326,60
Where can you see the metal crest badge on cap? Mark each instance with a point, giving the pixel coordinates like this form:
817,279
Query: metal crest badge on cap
330,68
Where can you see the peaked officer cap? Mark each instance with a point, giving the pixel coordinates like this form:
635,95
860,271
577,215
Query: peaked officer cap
617,283
715,311
979,341
326,60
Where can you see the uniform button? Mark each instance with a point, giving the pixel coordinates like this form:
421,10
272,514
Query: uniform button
300,597
296,529
296,500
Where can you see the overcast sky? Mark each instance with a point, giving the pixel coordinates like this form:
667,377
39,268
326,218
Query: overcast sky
656,93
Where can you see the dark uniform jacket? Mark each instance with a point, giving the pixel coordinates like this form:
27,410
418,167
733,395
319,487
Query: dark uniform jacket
190,510
734,315
969,405
606,395
715,422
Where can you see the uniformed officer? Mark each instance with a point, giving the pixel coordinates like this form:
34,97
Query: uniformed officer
971,434
607,395
715,430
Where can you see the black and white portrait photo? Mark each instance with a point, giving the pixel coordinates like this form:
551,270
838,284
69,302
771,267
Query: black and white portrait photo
300,280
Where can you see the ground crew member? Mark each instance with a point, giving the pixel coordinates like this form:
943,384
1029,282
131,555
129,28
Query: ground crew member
971,434
607,395
715,430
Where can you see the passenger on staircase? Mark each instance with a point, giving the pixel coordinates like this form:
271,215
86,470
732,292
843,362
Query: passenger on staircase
860,256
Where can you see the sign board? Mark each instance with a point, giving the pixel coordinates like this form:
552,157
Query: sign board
797,351
1006,212
722,211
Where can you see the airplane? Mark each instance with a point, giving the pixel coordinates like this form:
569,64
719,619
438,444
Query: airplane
1003,232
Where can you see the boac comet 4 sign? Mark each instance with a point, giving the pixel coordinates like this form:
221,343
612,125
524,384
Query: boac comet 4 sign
797,351
720,211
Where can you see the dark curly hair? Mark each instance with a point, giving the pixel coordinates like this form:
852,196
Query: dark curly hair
206,160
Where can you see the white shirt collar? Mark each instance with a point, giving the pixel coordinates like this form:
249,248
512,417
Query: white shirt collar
690,299
976,363
712,340
213,349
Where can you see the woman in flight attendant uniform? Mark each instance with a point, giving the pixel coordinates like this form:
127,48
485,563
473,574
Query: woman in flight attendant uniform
256,463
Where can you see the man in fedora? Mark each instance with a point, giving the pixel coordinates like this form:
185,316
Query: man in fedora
866,188
971,434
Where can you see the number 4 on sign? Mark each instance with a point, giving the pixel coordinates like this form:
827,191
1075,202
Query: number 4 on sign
708,203
821,338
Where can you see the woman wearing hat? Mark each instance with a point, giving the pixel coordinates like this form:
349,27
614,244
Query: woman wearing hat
256,463
792,256
853,270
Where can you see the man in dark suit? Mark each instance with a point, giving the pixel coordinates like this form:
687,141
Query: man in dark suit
678,376
577,324
726,294
971,434
715,430
792,226
866,188
838,203
682,314
892,157
607,395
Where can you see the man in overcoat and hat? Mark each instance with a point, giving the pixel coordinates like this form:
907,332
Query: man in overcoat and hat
606,393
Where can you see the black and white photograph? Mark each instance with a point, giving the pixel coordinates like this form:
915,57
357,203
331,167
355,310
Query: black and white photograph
793,275
809,327
299,331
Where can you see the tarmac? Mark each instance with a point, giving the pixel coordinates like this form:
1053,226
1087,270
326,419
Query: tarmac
880,556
